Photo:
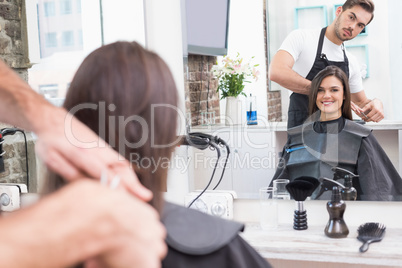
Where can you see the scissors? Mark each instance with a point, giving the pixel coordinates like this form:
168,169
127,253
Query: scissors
365,116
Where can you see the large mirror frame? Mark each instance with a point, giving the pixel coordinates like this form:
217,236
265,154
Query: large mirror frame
378,50
379,47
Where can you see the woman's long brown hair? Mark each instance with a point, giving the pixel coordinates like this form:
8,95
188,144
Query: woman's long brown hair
136,99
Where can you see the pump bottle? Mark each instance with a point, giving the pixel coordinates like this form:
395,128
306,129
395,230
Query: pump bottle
349,192
336,226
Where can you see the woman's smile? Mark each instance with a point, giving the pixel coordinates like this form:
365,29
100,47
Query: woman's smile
326,103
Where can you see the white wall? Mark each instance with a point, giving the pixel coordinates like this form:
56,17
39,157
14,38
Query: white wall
118,24
123,23
164,36
32,31
91,30
378,85
246,36
395,45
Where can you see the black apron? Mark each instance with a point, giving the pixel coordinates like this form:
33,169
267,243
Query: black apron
298,105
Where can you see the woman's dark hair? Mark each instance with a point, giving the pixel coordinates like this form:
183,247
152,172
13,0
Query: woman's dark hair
316,83
136,99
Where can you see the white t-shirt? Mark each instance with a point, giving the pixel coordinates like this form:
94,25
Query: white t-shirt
302,45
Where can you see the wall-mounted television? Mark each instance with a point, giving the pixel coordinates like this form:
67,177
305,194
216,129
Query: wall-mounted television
207,24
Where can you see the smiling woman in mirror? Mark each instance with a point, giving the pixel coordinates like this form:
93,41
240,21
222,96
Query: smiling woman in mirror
329,138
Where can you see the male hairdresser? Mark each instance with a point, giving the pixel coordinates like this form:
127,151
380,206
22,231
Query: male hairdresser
306,52
84,221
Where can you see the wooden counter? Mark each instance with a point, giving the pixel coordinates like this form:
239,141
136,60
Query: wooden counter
286,247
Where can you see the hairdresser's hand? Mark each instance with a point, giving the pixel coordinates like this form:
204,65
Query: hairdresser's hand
358,111
72,150
374,111
356,108
83,221
136,238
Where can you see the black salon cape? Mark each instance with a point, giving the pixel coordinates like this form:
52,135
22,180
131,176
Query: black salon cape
378,178
198,240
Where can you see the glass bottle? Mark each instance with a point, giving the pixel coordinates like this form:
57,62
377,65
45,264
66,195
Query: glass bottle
252,111
336,226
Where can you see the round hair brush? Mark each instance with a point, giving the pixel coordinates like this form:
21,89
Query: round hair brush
300,190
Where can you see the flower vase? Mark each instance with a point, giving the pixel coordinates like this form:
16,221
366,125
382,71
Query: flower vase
233,111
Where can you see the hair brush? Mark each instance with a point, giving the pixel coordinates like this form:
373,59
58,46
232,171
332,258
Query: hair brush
370,232
300,190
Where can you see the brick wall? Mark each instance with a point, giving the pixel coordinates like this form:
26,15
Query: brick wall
14,52
13,35
274,106
200,88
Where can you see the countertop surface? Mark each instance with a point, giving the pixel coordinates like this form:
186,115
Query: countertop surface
313,245
282,126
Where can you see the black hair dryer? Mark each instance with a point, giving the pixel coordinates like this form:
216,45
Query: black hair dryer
4,132
1,154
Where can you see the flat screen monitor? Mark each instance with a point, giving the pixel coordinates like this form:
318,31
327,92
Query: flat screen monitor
207,23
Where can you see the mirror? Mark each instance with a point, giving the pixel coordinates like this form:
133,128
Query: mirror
379,49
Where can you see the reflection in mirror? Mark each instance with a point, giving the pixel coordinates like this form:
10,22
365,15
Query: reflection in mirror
378,50
60,37
378,70
251,166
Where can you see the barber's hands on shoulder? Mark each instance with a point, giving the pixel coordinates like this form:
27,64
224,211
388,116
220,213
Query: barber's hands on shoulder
373,111
72,150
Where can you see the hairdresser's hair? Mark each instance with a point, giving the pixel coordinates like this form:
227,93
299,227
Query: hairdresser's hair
135,91
367,5
331,70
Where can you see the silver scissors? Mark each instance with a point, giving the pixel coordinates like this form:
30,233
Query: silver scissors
365,116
